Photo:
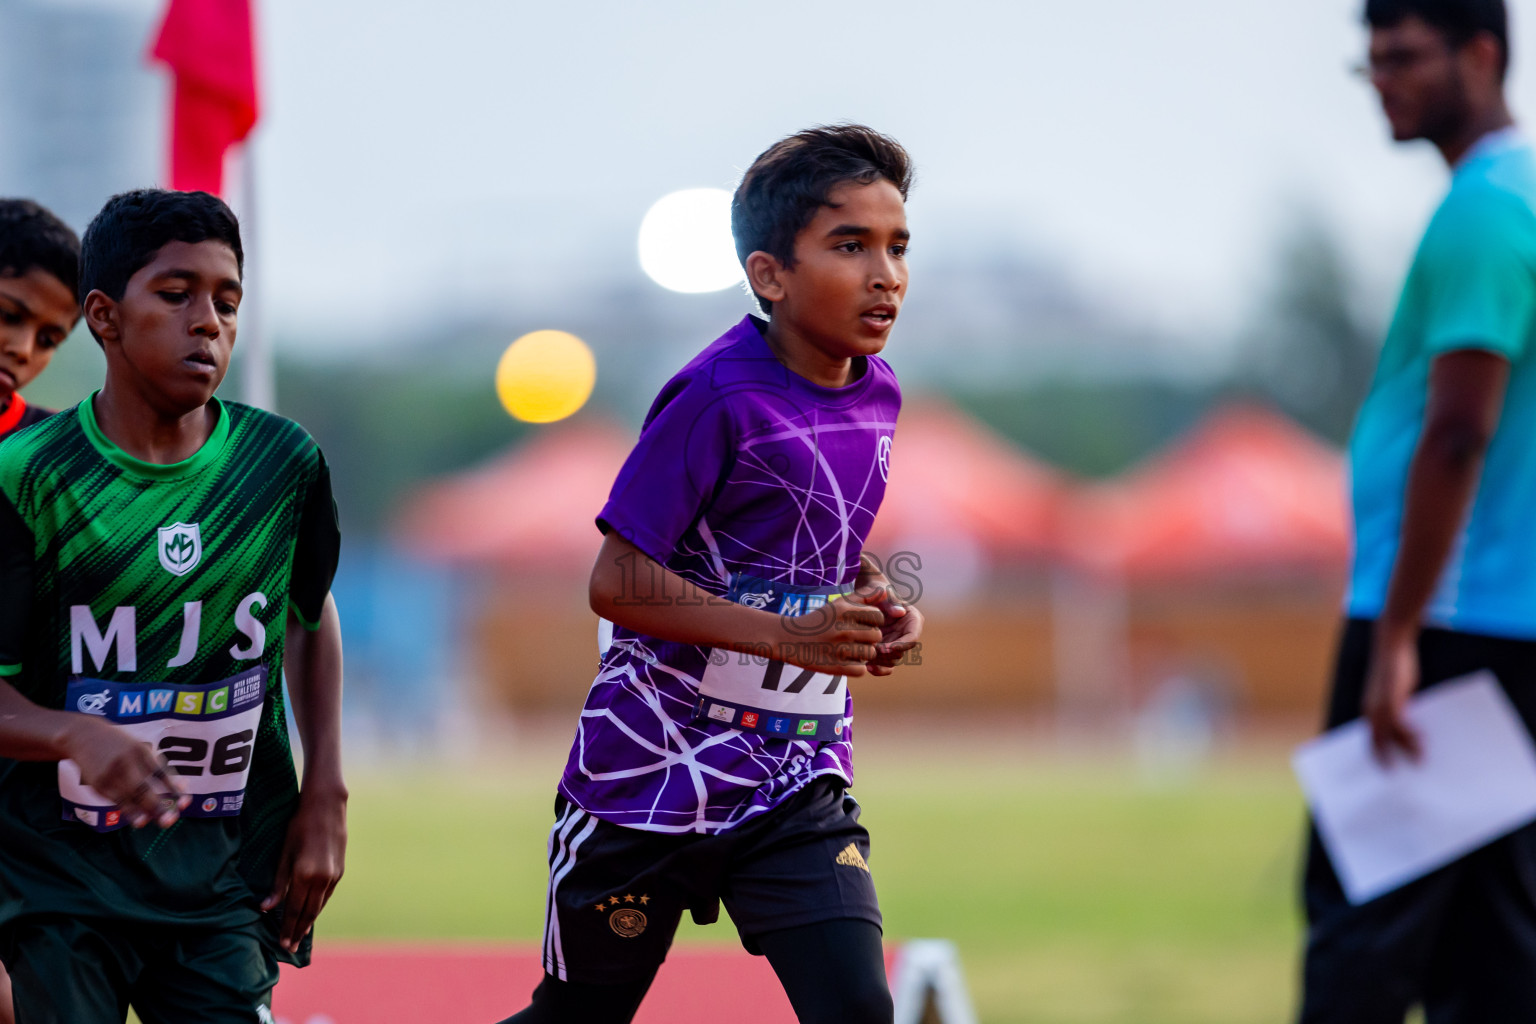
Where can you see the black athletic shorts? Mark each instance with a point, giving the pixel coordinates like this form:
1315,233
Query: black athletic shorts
1461,941
67,970
616,894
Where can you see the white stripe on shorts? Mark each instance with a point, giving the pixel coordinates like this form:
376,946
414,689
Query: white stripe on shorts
557,835
554,953
559,952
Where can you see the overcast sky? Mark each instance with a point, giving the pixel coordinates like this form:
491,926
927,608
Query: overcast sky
417,158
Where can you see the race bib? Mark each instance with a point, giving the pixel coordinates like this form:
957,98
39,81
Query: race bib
758,694
206,733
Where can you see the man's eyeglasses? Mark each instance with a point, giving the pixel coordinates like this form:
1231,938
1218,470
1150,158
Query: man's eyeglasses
1390,63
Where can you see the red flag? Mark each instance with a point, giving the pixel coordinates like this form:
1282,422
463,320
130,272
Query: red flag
208,46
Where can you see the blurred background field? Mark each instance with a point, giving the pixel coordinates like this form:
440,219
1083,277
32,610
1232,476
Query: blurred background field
1080,883
1155,246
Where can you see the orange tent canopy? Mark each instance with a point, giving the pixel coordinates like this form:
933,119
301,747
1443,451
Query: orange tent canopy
1247,490
534,507
531,508
951,475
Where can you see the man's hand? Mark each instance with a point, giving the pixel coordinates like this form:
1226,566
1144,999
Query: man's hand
125,770
1390,682
899,632
841,637
314,856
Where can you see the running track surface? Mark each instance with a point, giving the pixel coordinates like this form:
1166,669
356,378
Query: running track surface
457,984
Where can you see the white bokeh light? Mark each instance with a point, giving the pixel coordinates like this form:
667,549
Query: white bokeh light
685,241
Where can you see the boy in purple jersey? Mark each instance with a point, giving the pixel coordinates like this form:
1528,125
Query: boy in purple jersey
713,754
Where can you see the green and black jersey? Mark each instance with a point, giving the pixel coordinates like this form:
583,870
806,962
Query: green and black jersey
157,596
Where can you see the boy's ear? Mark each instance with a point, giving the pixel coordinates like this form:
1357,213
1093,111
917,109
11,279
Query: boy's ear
766,275
100,312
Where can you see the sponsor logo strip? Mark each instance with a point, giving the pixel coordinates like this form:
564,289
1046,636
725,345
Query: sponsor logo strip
821,728
107,818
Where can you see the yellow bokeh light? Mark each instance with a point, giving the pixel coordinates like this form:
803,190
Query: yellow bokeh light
545,376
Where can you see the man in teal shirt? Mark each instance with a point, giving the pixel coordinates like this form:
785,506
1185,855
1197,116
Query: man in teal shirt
1443,463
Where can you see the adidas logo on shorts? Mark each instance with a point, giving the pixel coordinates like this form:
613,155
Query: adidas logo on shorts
850,857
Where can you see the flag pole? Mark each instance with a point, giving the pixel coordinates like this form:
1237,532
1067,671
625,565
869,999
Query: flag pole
258,377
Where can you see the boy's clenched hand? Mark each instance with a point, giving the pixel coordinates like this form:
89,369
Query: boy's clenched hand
900,630
841,637
125,770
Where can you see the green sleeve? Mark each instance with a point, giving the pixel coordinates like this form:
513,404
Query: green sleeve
16,576
1477,269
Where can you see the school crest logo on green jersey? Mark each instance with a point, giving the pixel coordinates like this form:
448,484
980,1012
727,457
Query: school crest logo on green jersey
180,547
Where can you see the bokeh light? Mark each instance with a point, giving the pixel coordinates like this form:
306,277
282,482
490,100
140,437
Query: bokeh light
685,242
545,376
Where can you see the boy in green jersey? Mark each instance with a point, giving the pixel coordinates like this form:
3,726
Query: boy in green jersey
161,552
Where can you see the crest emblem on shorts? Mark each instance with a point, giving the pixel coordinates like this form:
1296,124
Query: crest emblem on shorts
180,547
627,922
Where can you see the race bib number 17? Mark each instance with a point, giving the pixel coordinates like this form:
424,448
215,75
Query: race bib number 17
205,733
756,694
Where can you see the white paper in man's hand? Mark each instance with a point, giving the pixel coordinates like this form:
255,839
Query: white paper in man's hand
1385,827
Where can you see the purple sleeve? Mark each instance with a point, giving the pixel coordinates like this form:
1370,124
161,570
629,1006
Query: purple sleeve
684,451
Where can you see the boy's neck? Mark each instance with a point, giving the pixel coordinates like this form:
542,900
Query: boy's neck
801,357
133,423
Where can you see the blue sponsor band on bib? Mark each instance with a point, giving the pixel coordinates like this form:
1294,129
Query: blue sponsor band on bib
779,598
146,702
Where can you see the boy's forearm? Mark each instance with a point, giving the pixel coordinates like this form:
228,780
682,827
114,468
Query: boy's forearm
314,672
692,617
668,607
29,732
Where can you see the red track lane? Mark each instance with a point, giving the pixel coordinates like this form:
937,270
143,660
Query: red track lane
458,984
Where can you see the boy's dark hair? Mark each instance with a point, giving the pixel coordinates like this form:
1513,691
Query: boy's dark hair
123,238
1458,20
31,237
785,186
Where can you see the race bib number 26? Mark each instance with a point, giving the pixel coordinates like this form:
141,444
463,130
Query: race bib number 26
205,733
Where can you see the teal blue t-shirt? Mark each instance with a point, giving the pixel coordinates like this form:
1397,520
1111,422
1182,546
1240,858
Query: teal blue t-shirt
1472,286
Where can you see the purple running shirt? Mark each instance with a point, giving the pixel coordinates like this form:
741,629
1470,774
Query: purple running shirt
753,483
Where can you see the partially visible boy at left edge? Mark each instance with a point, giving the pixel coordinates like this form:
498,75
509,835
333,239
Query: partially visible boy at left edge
39,306
155,849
